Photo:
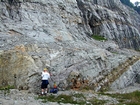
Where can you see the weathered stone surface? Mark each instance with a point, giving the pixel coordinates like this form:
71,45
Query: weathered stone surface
128,78
114,21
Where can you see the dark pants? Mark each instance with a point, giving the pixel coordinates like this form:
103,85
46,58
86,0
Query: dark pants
44,84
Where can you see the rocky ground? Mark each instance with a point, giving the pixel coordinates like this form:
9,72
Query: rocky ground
16,97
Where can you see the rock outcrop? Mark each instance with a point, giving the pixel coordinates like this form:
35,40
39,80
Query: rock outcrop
112,20
57,34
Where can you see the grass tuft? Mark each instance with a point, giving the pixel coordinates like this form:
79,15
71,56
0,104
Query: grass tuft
7,87
99,38
127,98
77,98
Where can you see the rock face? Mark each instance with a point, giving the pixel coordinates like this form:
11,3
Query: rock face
109,18
130,76
57,35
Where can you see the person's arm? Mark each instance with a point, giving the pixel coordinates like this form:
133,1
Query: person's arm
49,74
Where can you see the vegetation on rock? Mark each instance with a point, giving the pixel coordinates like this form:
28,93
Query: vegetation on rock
135,6
127,98
97,37
82,99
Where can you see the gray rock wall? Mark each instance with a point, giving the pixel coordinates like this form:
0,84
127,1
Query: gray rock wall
128,78
112,20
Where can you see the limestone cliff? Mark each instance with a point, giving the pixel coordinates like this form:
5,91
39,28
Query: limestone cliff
57,34
114,21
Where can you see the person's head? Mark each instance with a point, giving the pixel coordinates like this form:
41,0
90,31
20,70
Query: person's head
45,69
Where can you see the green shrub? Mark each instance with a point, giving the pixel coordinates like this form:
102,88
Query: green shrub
97,37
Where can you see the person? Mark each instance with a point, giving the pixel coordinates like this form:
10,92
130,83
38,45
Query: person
54,89
44,85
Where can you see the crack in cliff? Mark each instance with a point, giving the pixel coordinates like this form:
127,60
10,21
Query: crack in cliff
118,22
104,81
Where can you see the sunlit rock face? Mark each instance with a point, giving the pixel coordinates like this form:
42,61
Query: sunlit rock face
111,19
57,34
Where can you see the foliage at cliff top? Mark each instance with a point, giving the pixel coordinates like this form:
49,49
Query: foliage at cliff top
135,6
